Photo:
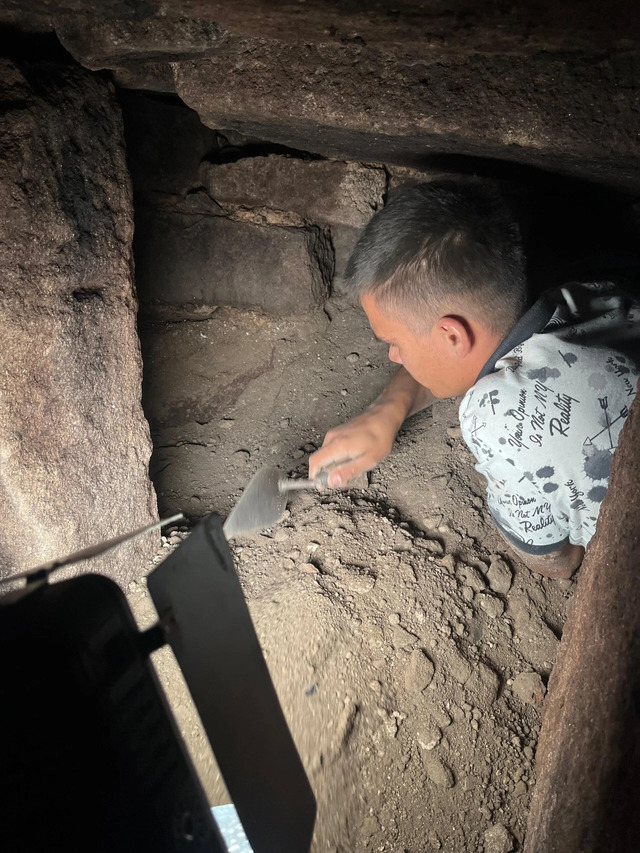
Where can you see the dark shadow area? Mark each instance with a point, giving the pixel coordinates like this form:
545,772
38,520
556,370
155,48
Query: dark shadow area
18,45
573,229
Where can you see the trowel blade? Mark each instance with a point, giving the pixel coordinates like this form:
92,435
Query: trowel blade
261,505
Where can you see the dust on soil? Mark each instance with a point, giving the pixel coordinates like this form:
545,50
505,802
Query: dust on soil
394,623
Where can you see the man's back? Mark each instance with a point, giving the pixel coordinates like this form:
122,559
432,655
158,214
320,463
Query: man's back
544,417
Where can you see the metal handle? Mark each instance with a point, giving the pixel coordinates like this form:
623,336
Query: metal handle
285,484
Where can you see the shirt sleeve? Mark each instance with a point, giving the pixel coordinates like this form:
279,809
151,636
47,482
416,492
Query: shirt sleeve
520,509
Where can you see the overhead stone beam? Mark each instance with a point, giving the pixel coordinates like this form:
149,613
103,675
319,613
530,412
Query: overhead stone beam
553,85
574,25
564,113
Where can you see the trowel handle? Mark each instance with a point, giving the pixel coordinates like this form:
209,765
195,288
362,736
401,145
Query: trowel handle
289,485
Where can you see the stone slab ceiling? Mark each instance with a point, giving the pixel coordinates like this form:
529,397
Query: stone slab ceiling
543,84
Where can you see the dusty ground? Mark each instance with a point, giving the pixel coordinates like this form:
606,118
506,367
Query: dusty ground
405,644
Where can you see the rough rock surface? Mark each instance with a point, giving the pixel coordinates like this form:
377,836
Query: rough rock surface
331,192
74,444
199,261
549,84
476,105
485,26
588,790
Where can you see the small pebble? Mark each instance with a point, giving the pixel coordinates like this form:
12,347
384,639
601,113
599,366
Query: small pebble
498,839
226,423
393,618
402,639
344,392
429,737
491,605
529,688
434,841
467,593
499,575
308,569
419,672
353,357
439,773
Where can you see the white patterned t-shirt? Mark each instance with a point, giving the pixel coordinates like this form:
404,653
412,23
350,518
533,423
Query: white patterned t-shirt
544,417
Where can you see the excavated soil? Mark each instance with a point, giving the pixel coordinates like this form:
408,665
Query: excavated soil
409,648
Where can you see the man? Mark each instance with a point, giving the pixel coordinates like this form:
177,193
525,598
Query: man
440,274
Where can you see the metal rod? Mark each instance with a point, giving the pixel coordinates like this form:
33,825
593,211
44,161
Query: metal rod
289,485
92,551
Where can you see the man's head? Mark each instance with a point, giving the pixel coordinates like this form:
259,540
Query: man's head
440,273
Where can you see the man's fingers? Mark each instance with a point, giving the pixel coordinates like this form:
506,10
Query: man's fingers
320,459
342,474
329,456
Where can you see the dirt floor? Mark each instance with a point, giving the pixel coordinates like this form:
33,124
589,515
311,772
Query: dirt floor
408,648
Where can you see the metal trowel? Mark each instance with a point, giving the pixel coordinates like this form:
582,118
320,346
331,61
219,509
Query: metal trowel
263,502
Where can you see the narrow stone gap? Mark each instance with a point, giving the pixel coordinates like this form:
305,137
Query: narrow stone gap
228,152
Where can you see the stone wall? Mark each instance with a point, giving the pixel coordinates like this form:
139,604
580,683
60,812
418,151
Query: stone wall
74,444
238,223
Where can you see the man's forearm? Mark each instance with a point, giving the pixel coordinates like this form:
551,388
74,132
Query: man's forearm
363,442
403,397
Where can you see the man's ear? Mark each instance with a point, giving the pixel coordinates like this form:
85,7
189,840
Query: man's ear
456,335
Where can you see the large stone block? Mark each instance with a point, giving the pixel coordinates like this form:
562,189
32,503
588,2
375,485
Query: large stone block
74,444
326,191
549,84
195,262
588,759
566,113
117,30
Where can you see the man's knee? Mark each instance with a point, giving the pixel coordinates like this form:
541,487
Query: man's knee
558,564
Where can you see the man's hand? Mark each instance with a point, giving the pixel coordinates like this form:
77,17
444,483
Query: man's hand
363,442
360,444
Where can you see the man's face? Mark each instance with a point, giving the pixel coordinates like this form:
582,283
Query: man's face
424,355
